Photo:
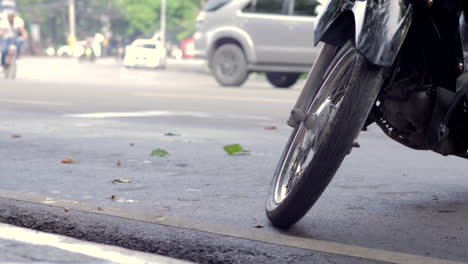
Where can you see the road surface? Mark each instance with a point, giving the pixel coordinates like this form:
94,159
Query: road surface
387,203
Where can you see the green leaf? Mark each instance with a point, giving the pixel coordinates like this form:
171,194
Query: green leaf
159,153
235,149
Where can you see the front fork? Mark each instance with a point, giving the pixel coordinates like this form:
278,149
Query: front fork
11,55
312,85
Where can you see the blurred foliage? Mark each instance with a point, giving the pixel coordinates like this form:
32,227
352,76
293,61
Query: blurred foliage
127,19
143,16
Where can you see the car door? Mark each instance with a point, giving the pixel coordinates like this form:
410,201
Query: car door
303,14
265,23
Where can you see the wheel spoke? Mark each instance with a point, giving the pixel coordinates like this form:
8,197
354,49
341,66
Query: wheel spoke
320,113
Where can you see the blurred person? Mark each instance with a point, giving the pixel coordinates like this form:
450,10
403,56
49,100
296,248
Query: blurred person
12,30
96,44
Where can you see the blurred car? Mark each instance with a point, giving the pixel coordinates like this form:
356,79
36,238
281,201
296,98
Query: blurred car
148,53
276,37
188,48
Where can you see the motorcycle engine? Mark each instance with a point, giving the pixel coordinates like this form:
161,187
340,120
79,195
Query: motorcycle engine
408,108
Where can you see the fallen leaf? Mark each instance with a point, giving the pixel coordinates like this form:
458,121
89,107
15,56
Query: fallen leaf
259,226
66,210
100,209
16,136
271,128
119,163
68,161
159,153
122,181
172,134
235,149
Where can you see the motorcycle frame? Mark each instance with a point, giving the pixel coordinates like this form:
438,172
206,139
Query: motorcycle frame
378,29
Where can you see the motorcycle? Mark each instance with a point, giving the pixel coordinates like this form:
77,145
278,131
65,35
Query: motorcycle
11,66
86,52
394,63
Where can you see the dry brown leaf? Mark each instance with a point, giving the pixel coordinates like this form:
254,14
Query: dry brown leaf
100,209
271,128
122,181
66,210
119,163
68,161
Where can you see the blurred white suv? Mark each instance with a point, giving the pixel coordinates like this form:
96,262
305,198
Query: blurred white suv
276,37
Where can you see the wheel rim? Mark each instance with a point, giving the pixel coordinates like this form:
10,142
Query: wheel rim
228,64
310,133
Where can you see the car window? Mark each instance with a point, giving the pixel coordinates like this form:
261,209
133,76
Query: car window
306,7
267,6
213,5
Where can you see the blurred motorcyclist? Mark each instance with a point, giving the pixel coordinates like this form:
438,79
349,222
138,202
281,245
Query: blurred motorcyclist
12,31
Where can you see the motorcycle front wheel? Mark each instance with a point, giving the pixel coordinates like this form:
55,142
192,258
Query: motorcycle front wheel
318,145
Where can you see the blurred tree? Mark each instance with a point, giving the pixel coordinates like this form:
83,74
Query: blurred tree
143,16
126,19
92,16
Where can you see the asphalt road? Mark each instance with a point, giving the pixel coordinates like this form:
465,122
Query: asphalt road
386,204
20,245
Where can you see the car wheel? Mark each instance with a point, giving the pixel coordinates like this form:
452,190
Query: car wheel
282,79
229,65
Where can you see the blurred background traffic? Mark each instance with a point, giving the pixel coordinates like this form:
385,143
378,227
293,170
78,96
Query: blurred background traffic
233,38
68,28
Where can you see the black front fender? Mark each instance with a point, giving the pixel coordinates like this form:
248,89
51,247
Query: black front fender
380,26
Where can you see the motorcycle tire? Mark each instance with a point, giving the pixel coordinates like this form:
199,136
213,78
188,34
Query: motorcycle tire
6,72
12,71
318,145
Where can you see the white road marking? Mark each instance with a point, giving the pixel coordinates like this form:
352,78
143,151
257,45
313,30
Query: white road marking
165,113
140,114
82,124
104,252
216,97
34,102
271,238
